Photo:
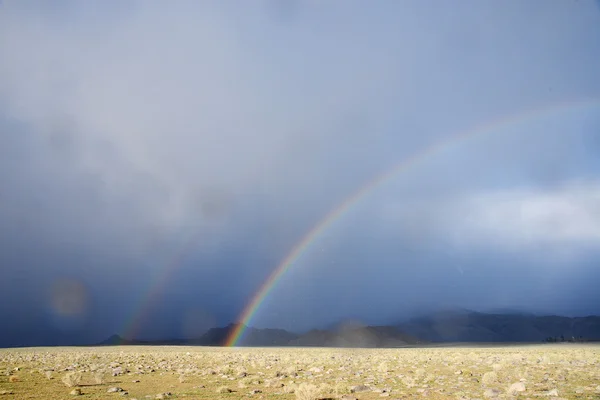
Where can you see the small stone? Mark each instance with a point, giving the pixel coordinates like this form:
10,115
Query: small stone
114,389
516,388
360,388
255,391
5,392
348,397
124,393
136,381
75,392
553,393
489,378
491,393
224,389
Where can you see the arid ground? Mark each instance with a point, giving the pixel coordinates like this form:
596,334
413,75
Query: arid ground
557,371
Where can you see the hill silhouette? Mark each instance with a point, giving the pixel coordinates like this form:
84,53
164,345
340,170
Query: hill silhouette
366,336
454,326
472,326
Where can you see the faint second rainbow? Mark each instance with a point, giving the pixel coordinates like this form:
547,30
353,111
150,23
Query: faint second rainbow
250,310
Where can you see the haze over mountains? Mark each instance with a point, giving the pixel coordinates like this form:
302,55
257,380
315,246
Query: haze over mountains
443,327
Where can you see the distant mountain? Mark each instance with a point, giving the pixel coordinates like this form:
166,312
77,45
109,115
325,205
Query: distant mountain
509,311
474,326
115,340
366,336
268,337
216,337
252,336
449,326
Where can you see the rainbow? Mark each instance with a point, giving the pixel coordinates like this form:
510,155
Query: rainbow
157,285
300,248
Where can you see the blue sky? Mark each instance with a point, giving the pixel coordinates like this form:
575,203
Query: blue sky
133,129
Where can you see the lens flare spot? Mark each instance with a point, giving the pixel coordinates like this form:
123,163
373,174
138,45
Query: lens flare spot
69,298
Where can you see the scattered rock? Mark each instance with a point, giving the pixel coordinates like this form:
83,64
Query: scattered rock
163,395
124,393
360,388
5,392
115,389
76,392
516,388
224,389
491,393
255,391
553,393
136,381
489,378
348,397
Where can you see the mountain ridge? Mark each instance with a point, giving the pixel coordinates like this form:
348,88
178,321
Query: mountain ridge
450,326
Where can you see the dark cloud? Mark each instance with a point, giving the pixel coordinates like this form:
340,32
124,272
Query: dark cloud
158,162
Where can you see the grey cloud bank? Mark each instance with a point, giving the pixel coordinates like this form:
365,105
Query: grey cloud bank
208,138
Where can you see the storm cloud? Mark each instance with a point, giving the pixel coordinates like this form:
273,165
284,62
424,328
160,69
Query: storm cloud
158,160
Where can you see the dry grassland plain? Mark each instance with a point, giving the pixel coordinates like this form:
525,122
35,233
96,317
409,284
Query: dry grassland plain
568,371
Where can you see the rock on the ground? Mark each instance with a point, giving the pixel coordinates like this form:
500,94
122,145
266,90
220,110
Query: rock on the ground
360,388
114,389
516,388
491,393
489,378
553,393
76,392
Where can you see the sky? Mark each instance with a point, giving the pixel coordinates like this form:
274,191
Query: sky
159,159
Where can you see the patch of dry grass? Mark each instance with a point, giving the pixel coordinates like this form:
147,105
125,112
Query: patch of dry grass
567,371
